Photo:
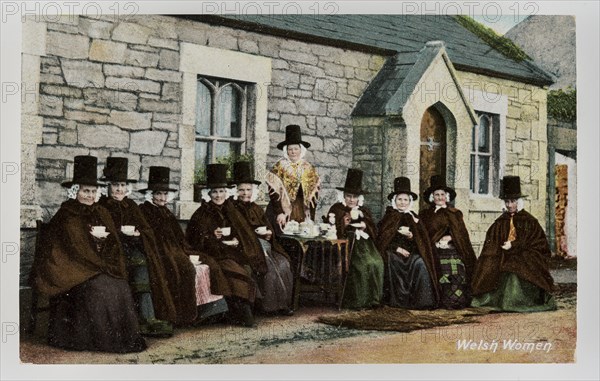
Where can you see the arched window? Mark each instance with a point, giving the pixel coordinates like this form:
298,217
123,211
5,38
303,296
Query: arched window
221,120
485,155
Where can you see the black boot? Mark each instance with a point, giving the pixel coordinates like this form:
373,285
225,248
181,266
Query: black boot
245,313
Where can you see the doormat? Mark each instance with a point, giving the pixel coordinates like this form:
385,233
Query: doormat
401,320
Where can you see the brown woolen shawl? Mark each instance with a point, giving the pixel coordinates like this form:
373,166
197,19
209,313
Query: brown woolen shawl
528,257
450,220
340,211
387,228
70,256
127,212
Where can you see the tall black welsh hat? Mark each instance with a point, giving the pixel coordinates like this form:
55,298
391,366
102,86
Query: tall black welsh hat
510,188
402,185
242,173
293,135
437,182
216,176
116,170
158,180
353,182
85,172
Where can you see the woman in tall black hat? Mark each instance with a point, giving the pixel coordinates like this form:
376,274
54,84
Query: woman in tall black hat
218,229
277,283
293,183
147,277
410,272
82,269
364,282
451,244
179,270
512,273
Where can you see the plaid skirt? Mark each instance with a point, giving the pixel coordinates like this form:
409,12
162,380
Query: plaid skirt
455,290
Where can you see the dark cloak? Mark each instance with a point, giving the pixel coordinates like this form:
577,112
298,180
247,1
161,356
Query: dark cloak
127,212
387,228
450,221
528,257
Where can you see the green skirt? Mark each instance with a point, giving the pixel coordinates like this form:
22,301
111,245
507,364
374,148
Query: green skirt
364,283
516,295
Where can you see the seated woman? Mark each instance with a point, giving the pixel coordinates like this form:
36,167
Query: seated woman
147,278
180,272
220,231
512,272
82,269
277,284
410,266
451,244
364,283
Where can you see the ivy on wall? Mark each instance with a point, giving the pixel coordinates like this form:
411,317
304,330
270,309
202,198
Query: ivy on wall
200,175
502,44
562,104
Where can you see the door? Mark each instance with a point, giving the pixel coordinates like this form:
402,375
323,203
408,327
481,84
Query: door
433,151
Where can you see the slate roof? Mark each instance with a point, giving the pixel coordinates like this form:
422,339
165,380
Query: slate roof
389,35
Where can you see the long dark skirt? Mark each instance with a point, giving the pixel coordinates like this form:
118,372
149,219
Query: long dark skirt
277,284
364,284
407,283
97,315
453,280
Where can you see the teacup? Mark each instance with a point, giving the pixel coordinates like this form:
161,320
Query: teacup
226,231
354,214
194,258
99,229
404,229
261,230
128,229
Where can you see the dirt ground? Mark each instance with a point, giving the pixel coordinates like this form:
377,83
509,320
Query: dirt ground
544,337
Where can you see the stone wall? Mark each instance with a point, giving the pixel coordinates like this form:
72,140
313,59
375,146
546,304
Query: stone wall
113,88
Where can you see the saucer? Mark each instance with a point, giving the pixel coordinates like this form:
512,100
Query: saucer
230,243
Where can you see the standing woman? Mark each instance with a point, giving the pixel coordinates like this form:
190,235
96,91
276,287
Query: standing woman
293,183
364,282
179,270
220,231
147,277
410,265
82,269
452,246
277,284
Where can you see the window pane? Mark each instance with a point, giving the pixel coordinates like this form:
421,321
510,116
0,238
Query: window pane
228,111
473,148
484,136
472,174
201,159
203,106
483,174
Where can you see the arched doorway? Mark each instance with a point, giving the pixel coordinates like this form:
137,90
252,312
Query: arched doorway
433,150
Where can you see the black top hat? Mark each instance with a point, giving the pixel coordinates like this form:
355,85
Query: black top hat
242,173
158,180
402,185
437,182
510,188
353,182
85,172
292,136
216,176
116,170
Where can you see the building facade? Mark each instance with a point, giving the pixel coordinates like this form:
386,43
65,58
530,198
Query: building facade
185,91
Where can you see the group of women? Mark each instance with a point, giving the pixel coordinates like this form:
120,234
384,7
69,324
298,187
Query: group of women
115,271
